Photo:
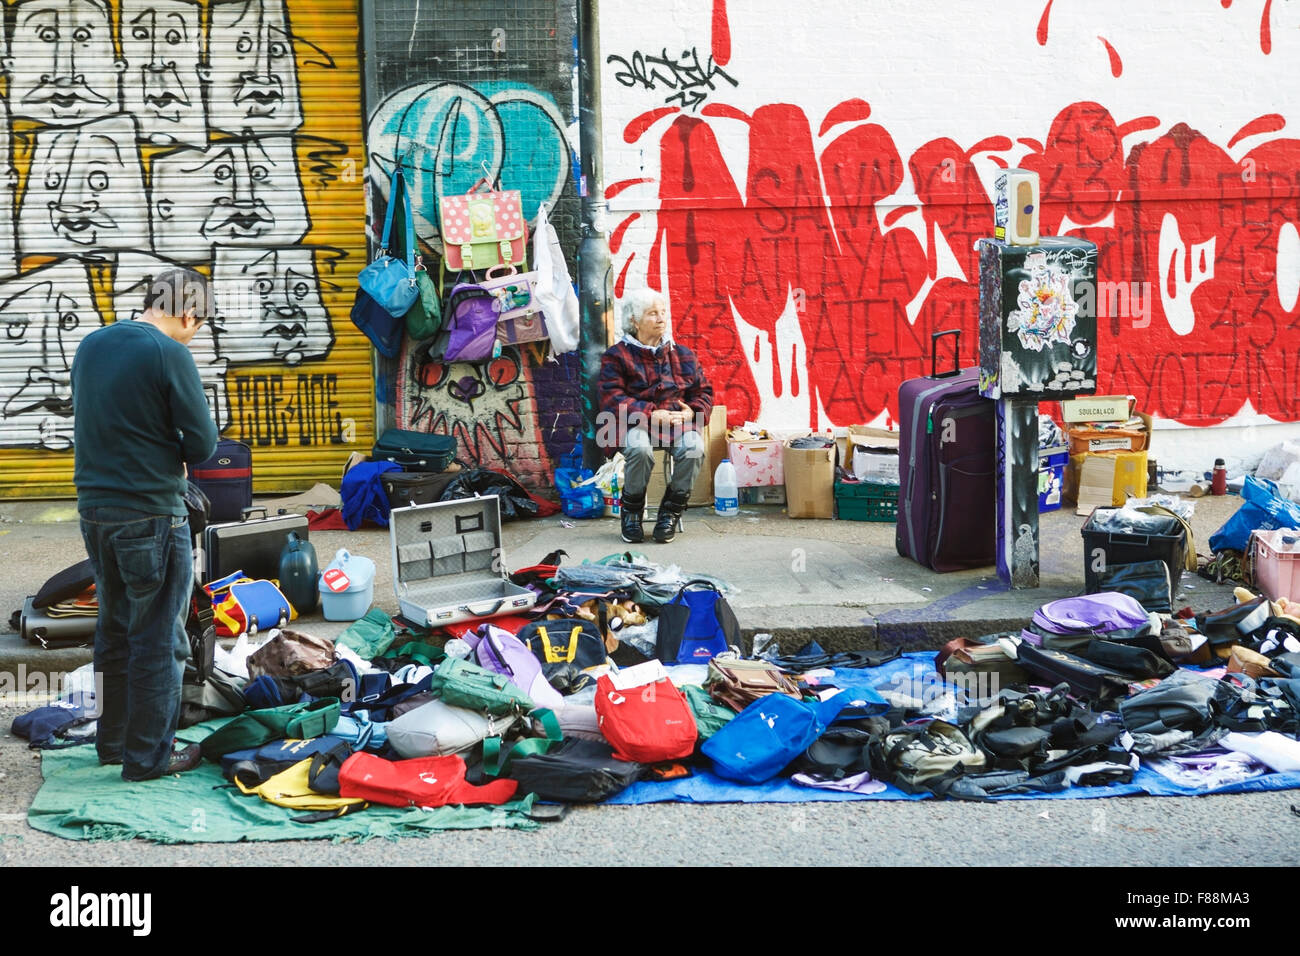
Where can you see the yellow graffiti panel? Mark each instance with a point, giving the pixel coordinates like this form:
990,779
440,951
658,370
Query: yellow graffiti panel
224,136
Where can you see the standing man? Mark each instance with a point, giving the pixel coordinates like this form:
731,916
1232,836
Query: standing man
140,417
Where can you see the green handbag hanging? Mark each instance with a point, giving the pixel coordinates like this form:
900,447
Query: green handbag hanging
424,317
467,685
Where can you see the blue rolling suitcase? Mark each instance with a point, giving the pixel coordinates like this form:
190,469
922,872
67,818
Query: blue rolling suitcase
227,479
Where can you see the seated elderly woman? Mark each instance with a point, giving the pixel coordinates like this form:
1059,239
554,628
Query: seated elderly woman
653,394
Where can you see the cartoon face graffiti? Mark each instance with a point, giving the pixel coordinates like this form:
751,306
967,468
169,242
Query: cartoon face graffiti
243,192
257,87
269,305
482,404
162,48
44,315
85,191
61,65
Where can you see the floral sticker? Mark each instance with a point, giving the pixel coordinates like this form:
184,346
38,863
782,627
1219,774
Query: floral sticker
1046,310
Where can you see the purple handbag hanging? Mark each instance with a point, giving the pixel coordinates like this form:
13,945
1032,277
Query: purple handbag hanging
471,324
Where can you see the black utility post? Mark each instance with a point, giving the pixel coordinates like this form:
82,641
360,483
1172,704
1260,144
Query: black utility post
1038,342
595,296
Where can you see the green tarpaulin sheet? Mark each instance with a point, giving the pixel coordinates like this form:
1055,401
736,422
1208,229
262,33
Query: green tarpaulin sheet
80,800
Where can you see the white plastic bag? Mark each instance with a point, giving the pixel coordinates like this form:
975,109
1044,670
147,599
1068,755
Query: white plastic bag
553,290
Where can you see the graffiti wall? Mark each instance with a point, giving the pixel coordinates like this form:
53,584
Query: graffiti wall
810,194
141,134
452,97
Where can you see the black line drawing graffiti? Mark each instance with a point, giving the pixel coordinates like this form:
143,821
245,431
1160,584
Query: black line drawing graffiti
44,315
85,191
217,85
251,55
692,80
269,306
8,197
131,277
61,65
162,46
241,192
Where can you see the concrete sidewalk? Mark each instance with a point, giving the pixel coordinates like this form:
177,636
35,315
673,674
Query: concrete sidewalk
840,582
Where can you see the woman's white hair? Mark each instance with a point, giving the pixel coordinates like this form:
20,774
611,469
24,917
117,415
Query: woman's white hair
635,304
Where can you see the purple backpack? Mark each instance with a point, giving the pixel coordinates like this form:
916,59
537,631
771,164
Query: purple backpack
471,324
502,653
1108,613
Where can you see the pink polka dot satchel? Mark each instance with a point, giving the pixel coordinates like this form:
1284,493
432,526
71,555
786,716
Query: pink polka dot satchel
484,228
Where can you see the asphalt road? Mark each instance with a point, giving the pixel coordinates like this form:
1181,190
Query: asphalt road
1233,830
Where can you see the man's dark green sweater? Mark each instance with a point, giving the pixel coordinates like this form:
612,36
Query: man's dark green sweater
140,416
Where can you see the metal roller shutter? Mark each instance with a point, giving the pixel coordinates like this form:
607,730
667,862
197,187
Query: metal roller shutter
226,136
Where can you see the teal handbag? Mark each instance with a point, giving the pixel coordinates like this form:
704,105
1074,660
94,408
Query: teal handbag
389,281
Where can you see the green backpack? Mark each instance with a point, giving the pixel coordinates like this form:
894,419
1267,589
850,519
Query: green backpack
462,684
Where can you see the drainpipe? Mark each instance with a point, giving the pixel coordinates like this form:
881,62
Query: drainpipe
595,294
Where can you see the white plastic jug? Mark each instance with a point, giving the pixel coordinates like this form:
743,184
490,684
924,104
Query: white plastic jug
726,496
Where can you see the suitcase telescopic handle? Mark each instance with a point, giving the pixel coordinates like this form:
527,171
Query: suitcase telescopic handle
934,354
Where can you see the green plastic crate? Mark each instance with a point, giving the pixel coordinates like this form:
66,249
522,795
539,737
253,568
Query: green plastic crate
866,501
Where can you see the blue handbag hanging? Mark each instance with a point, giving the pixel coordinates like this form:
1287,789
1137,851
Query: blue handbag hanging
391,282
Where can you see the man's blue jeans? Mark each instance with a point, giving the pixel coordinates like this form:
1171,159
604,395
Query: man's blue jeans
143,570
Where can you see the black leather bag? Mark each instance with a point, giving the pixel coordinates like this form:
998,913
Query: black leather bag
1187,705
1128,659
1147,582
578,771
1085,678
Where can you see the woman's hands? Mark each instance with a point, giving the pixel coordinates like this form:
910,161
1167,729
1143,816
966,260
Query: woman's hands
673,416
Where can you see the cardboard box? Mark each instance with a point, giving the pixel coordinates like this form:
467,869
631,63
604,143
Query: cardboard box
1038,318
810,482
873,454
1097,408
1107,479
1082,416
758,462
715,449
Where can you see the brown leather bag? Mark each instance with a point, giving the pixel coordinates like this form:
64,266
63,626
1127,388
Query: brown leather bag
291,653
737,683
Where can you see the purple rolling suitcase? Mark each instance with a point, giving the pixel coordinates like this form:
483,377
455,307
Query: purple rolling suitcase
946,453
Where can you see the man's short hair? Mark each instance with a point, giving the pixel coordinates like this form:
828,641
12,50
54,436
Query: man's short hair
176,291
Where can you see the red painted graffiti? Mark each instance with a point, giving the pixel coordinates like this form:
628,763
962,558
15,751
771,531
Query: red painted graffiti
1193,233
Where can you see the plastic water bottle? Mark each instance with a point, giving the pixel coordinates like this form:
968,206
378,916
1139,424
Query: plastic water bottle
726,496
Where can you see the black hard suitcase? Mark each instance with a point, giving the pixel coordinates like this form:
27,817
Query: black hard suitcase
414,451
252,545
227,479
947,465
